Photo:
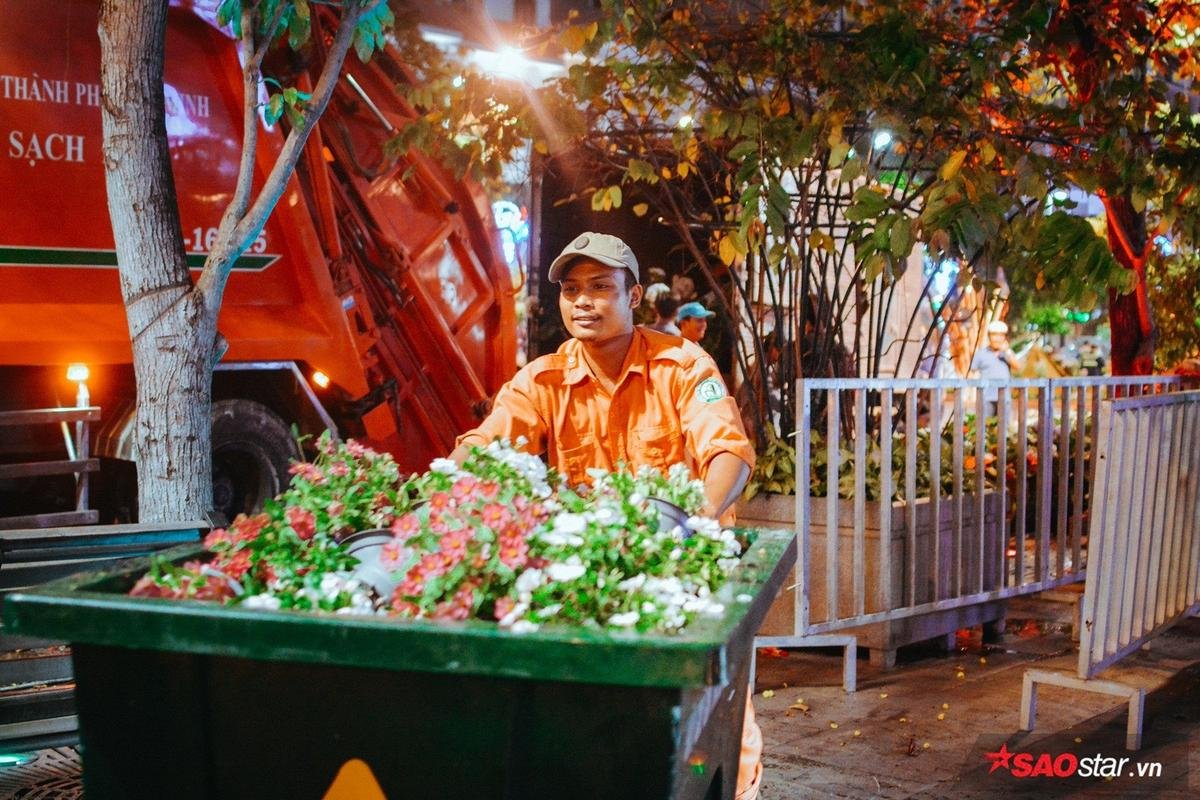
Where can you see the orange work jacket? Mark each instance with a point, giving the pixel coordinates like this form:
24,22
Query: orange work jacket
669,405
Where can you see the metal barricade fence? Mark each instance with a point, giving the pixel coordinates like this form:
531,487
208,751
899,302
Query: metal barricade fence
986,497
1144,533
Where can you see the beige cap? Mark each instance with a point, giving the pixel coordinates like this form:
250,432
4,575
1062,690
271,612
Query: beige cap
602,247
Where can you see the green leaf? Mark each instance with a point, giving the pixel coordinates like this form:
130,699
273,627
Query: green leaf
364,44
838,154
852,170
901,237
299,25
743,149
275,108
952,165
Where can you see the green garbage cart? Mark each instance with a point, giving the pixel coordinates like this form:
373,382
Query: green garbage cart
188,700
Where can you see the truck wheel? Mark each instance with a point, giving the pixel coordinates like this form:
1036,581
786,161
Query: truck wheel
252,448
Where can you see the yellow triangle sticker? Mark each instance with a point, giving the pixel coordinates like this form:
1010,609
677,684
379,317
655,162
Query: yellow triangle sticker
355,781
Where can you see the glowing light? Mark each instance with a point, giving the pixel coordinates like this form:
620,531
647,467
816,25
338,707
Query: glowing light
1060,195
882,139
458,81
320,379
685,121
77,372
16,759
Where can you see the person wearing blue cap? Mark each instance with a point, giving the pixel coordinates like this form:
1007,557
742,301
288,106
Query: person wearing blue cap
692,320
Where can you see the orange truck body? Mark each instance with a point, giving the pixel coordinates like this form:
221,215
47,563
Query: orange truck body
382,272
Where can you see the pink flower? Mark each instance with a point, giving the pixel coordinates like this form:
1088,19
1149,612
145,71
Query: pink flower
514,551
309,472
339,470
216,538
403,608
393,554
357,450
459,606
463,487
503,606
453,547
247,529
489,489
440,501
494,515
336,508
406,527
302,522
431,565
236,566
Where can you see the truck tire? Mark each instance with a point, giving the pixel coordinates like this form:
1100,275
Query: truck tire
252,450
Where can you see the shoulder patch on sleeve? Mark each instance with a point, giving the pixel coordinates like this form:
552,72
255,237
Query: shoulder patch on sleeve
710,390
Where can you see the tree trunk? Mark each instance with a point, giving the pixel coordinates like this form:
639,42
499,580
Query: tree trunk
1129,314
170,327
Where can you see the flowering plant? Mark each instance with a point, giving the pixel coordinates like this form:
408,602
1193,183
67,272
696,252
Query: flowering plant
499,538
288,556
597,558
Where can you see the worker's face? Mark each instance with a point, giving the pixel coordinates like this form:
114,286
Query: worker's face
997,341
594,302
693,328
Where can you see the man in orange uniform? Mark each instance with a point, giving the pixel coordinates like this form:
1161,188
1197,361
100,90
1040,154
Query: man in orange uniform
619,393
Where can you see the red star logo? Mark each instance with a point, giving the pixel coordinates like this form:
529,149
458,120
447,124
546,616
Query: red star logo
999,759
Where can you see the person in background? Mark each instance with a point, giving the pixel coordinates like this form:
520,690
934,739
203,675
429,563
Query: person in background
616,392
644,314
1091,360
692,319
665,308
994,362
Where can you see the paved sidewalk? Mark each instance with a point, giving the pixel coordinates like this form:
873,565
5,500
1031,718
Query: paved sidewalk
921,730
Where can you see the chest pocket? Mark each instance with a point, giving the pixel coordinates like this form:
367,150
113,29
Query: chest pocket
574,462
659,447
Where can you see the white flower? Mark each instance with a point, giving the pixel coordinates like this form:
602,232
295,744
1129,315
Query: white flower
707,527
632,584
331,585
524,626
445,466
608,516
676,554
570,524
268,601
549,611
529,580
555,539
512,616
648,607
744,598
625,620
714,610
565,572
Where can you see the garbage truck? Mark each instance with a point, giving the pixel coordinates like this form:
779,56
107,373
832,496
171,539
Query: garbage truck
375,303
